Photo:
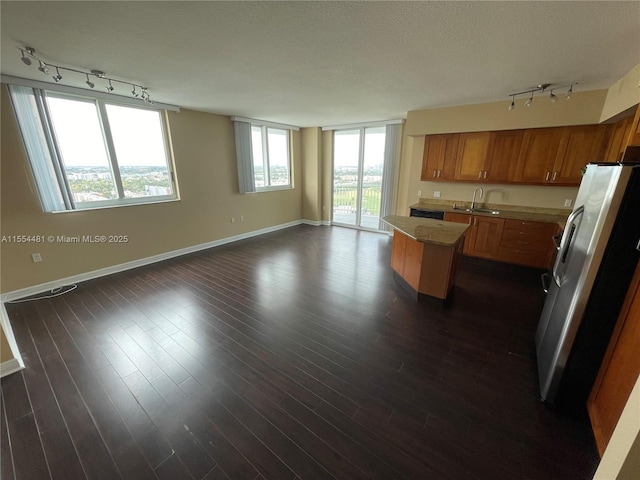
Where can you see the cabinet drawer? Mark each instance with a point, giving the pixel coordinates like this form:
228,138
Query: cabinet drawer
529,226
535,241
523,257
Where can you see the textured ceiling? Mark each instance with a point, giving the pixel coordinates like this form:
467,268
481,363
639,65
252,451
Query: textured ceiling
326,63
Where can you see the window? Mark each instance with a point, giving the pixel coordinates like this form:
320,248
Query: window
88,153
270,149
263,154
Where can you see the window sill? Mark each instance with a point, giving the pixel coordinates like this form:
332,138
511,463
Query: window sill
116,205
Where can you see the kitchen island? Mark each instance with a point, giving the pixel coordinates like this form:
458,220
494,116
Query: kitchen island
425,256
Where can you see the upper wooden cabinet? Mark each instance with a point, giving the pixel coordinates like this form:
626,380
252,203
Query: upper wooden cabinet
439,157
538,155
472,159
578,146
634,136
503,153
618,140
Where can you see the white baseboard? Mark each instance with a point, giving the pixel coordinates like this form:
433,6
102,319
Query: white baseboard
317,223
10,366
82,277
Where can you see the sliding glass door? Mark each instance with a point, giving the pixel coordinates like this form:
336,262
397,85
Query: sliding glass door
358,162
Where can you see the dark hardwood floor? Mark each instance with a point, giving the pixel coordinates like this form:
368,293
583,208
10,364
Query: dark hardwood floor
292,355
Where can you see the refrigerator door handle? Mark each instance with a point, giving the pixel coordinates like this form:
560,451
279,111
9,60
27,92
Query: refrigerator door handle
565,244
556,240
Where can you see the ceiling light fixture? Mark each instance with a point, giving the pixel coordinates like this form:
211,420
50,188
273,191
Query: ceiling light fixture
25,59
569,92
541,88
29,54
43,67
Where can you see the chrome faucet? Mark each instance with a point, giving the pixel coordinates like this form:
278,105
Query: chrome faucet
473,201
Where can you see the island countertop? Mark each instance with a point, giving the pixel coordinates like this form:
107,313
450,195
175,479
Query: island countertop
427,230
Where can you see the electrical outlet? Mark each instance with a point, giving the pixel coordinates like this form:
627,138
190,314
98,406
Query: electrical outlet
436,194
242,218
36,257
568,202
419,193
233,219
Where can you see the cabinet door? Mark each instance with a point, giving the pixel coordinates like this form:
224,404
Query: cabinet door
527,243
619,370
537,155
471,161
503,155
578,146
618,140
634,135
486,236
439,157
398,249
461,218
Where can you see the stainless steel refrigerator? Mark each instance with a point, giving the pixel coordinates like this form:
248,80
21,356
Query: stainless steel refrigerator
596,259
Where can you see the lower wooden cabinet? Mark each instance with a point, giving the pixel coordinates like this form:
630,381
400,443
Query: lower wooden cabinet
619,370
483,238
513,241
528,243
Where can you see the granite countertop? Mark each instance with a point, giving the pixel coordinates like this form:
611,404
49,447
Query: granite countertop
427,230
517,212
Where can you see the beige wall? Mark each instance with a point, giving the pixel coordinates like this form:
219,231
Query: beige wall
623,94
311,174
204,152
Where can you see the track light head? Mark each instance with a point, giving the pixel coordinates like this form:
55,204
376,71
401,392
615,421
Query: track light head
26,60
43,68
110,87
57,77
512,105
553,97
530,101
569,92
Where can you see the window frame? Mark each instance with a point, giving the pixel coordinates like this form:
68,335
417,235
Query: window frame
266,163
61,176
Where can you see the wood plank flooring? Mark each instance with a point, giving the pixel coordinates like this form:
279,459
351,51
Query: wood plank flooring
292,355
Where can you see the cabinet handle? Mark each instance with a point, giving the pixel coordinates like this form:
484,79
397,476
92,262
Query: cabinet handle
485,174
480,174
546,179
470,218
555,174
435,174
475,222
439,173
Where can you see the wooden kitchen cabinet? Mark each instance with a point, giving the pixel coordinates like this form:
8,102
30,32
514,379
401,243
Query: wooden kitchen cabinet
439,157
504,149
528,243
618,140
619,369
634,135
472,156
578,146
538,155
483,238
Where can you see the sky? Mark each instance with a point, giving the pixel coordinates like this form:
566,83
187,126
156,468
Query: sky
347,145
137,134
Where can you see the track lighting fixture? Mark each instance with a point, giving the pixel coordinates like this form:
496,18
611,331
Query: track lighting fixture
541,88
569,92
43,68
25,59
29,54
530,101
